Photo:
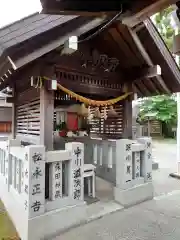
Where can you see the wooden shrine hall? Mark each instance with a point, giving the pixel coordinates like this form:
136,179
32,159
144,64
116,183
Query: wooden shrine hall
72,117
117,61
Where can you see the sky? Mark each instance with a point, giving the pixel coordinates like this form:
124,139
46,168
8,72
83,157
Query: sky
13,10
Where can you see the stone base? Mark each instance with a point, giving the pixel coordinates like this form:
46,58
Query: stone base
175,175
52,223
135,195
42,227
155,165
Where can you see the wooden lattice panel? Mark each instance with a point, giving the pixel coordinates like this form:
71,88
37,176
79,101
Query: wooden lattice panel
112,127
28,118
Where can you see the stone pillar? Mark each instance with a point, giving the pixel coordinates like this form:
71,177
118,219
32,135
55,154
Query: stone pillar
147,159
76,181
9,172
132,186
18,175
177,173
3,162
123,164
178,133
13,162
34,181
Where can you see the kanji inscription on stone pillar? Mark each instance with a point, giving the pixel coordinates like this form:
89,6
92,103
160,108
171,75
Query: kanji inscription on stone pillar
77,162
56,180
34,180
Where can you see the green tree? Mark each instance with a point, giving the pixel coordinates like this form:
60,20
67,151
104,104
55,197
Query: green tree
162,21
162,108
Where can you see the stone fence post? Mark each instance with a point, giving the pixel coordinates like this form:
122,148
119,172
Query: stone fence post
147,158
123,163
33,180
76,181
133,186
8,167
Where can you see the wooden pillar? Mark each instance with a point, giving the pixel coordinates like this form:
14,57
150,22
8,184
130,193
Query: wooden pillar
46,118
14,120
127,116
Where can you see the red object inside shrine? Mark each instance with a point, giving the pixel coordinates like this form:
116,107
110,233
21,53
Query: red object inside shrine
72,122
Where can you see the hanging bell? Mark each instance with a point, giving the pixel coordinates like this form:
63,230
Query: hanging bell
112,112
83,111
97,113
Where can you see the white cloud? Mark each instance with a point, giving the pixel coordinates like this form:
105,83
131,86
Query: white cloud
13,10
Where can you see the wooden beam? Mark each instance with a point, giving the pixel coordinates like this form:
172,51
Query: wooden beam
138,10
117,77
79,7
147,58
136,74
150,72
150,9
89,89
127,112
14,119
168,57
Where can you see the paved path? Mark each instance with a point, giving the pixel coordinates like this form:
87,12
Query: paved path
165,155
153,220
158,219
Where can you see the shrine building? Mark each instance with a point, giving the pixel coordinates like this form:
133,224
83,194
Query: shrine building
72,152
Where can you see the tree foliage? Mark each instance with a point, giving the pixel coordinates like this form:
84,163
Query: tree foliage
162,21
162,108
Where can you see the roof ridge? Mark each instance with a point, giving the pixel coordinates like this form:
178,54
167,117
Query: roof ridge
20,20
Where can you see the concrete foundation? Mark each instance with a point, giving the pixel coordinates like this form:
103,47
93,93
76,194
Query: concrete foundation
54,222
135,195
